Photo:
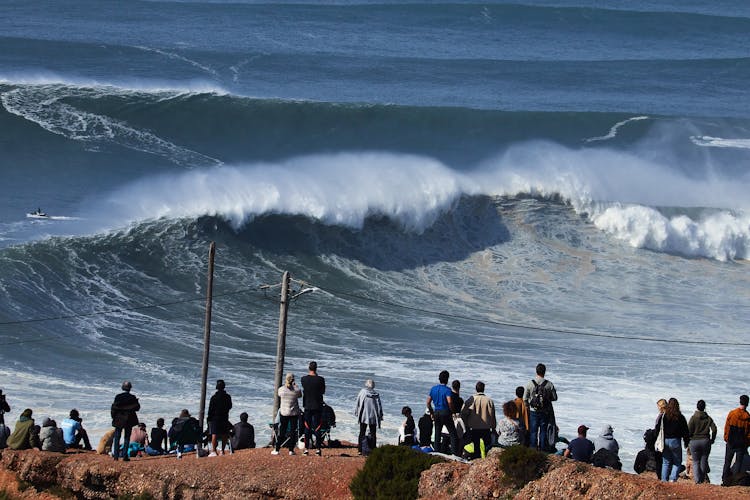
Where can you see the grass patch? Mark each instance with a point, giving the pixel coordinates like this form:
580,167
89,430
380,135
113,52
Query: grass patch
521,464
391,472
4,495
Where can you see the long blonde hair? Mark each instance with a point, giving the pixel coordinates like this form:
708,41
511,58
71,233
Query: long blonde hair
289,380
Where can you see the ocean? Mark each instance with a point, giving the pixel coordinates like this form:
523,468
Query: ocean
477,187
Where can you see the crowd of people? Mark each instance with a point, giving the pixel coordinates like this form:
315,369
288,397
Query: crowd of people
450,425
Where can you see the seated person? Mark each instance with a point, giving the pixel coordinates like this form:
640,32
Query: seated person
607,449
51,436
509,429
580,448
425,429
138,439
185,433
158,443
648,459
408,430
243,434
24,435
74,432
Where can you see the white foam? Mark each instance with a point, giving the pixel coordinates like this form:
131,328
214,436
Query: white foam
613,131
718,142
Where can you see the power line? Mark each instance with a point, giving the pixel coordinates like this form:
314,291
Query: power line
335,292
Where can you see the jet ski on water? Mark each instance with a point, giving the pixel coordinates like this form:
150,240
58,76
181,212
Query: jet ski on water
38,214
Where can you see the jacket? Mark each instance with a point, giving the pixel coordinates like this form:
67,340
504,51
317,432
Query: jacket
124,410
701,426
736,428
243,436
549,388
479,412
219,406
522,413
369,410
289,400
51,437
674,429
607,441
24,435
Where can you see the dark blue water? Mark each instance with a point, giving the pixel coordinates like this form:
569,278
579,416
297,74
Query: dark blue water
576,169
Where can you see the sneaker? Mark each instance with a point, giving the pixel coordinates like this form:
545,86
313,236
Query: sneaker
179,454
275,452
291,452
212,454
318,452
305,452
115,457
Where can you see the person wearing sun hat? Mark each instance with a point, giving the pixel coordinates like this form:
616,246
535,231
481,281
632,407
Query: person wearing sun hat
580,448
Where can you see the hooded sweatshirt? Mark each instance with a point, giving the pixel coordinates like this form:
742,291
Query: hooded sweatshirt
701,426
607,441
23,436
51,436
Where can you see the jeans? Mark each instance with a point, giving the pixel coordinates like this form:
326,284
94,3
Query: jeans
699,450
444,418
287,432
671,459
363,432
312,425
538,421
116,441
739,455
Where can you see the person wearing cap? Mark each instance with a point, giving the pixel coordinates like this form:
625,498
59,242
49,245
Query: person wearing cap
73,431
124,418
580,448
218,418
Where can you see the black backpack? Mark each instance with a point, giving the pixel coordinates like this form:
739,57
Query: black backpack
539,398
605,458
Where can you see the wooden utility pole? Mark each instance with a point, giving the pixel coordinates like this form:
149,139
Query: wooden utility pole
281,342
207,330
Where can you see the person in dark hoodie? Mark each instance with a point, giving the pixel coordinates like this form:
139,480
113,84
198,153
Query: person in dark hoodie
425,429
702,435
675,430
124,418
218,418
648,459
243,434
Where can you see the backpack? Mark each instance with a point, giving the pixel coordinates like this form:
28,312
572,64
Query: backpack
365,445
539,398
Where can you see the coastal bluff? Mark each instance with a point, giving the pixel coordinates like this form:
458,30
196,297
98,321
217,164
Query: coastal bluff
255,474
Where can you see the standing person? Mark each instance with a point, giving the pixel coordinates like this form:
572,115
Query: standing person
218,417
3,407
457,404
124,417
580,448
289,411
522,414
661,405
157,445
479,415
441,396
737,437
539,395
4,431
702,431
313,387
74,432
675,429
369,413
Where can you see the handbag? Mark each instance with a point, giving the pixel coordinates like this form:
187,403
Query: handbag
659,445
